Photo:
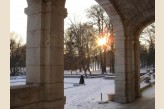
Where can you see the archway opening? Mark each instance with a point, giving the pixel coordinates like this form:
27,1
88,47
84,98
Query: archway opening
147,53
18,30
88,51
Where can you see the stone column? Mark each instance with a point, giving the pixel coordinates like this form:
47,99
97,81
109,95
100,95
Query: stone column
124,81
137,68
124,67
120,76
45,37
130,73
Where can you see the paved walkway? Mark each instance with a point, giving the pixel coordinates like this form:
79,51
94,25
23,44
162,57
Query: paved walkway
147,101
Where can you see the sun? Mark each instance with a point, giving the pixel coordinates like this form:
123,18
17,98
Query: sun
101,41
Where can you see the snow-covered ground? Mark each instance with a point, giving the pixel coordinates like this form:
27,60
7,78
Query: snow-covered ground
83,96
17,80
87,95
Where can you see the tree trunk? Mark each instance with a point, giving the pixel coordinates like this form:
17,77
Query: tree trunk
101,61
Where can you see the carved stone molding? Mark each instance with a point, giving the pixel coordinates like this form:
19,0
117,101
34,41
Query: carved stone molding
35,2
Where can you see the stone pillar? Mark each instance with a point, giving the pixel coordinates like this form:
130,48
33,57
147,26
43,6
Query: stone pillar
120,76
130,73
45,43
137,68
124,67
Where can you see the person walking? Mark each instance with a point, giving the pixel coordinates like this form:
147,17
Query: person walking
81,80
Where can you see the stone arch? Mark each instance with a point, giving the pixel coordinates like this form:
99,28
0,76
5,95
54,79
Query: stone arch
136,27
127,86
141,28
134,30
45,34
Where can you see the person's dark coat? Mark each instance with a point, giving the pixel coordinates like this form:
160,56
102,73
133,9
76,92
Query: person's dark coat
81,80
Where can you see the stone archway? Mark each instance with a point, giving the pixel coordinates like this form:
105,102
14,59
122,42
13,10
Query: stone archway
120,66
127,85
45,34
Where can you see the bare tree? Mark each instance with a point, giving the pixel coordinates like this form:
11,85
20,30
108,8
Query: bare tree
82,38
147,47
17,53
100,19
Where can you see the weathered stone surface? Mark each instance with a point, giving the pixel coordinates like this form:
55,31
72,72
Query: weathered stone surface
33,38
57,39
33,74
120,76
120,52
43,38
52,74
34,20
120,60
30,106
25,95
120,44
120,87
130,9
53,91
58,104
116,17
33,56
57,54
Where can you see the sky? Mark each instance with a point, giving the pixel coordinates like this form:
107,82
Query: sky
18,19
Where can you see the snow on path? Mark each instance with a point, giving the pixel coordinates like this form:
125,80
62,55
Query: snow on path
83,96
89,94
